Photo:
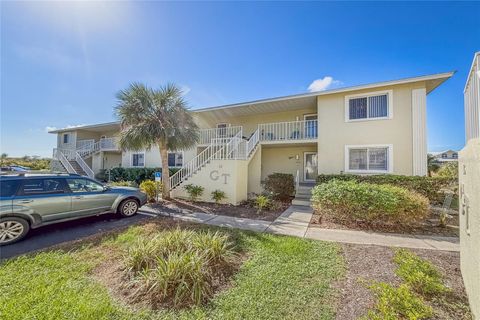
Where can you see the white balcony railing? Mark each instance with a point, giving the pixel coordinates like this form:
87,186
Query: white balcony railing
289,131
207,135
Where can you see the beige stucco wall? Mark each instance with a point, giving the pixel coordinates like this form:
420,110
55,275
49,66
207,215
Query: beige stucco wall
229,176
469,211
255,172
152,157
283,159
334,133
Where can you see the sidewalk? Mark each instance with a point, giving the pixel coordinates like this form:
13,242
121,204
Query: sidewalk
295,222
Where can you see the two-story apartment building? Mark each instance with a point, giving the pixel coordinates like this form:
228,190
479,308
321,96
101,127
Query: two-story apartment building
366,129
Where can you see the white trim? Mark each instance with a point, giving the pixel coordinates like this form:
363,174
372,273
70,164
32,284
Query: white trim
360,146
389,94
308,115
131,160
304,165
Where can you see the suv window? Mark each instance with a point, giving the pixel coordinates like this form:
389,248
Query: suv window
8,188
84,185
42,186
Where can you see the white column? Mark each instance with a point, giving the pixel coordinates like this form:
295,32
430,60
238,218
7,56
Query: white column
419,131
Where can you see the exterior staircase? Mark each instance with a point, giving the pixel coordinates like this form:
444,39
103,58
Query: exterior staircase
303,194
232,148
78,169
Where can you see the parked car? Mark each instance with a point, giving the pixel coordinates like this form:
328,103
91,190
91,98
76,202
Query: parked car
30,201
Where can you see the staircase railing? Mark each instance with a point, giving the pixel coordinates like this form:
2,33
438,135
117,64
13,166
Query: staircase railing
252,142
58,154
84,165
217,150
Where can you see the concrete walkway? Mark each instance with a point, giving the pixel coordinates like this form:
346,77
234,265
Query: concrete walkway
295,222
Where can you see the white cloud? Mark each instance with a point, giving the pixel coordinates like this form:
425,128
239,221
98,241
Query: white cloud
48,128
323,84
185,89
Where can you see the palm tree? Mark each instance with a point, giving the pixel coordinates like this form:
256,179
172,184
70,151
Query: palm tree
155,117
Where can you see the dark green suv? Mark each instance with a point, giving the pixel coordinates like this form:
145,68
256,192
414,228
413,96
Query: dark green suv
31,201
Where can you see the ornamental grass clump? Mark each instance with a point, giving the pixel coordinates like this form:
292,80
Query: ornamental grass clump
351,201
178,267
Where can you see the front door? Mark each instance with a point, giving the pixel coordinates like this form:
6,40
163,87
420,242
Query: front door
310,169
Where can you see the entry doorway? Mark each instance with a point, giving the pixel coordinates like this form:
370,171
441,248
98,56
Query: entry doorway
310,167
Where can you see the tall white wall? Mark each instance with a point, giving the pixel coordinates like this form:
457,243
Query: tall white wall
419,131
469,185
472,100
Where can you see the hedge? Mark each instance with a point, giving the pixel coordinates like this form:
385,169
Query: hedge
280,185
431,187
131,174
351,201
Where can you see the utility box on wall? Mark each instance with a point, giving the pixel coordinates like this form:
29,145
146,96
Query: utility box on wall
469,211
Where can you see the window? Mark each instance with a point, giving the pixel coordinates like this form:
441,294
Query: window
370,106
454,155
222,129
42,186
84,185
368,159
66,137
175,159
444,155
8,188
138,160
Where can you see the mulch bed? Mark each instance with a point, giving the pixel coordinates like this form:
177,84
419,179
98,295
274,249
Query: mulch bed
429,227
239,211
365,264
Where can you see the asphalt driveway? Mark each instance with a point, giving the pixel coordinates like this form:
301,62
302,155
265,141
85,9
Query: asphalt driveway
50,235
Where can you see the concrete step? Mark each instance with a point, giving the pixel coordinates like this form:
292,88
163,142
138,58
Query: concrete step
301,202
303,197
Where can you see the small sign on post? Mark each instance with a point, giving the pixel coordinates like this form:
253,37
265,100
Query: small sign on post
158,178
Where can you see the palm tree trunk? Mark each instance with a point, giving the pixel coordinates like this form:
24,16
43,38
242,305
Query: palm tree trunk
165,171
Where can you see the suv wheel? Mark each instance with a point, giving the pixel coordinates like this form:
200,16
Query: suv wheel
128,207
12,229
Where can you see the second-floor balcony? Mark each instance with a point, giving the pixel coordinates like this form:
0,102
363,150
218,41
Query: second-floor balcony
275,132
104,144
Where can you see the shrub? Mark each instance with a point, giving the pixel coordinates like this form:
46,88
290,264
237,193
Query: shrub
194,191
133,174
151,188
449,170
418,273
262,202
398,303
349,201
431,187
122,184
280,185
218,196
178,266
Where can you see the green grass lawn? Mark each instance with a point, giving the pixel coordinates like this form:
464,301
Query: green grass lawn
282,278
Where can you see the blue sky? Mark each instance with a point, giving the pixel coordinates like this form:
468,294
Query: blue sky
62,63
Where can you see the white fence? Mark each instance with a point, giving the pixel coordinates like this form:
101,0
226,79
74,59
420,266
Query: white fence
288,131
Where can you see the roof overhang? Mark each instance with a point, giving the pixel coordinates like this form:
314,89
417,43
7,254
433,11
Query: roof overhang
101,127
285,103
305,100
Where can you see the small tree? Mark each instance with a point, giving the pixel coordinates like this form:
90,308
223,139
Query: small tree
194,191
218,196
